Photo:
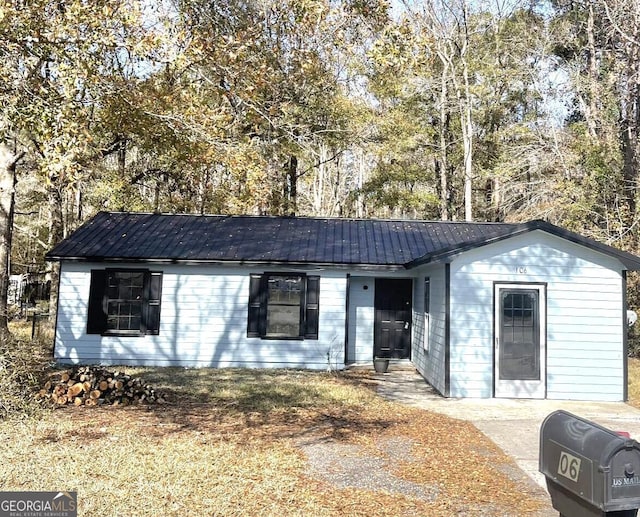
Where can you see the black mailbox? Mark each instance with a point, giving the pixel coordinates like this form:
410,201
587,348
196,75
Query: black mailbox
590,470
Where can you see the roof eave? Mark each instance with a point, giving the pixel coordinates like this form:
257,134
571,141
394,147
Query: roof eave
252,263
448,254
628,260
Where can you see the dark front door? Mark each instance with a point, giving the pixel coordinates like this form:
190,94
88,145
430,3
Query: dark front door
392,326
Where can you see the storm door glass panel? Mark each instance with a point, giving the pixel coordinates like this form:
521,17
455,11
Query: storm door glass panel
520,343
124,300
284,302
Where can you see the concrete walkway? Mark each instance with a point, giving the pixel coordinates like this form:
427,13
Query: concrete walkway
512,424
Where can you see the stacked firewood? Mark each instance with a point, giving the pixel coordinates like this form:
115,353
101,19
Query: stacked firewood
94,385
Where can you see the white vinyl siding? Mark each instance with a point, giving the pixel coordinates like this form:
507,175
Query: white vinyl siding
584,315
431,365
203,323
361,319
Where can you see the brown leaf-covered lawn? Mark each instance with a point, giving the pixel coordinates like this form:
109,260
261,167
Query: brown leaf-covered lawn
235,442
634,382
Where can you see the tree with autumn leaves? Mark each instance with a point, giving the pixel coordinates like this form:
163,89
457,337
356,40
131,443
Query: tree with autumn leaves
59,62
442,109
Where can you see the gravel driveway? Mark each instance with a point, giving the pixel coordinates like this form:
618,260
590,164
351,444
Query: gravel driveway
513,425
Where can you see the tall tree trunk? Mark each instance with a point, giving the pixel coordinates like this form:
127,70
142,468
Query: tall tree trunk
79,202
319,188
463,96
590,107
156,197
8,182
466,121
56,234
630,135
458,52
467,141
204,188
621,42
360,203
443,161
291,198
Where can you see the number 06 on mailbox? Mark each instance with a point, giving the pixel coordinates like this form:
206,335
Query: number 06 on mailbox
590,470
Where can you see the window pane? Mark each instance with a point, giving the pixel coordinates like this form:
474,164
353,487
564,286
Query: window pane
112,308
284,305
285,290
134,323
507,317
283,320
112,323
124,300
519,347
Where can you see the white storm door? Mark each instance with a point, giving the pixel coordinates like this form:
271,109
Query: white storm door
520,341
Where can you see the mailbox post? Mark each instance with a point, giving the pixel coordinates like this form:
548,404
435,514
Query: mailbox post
590,470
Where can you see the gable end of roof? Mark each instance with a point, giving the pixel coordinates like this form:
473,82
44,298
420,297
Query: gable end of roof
630,261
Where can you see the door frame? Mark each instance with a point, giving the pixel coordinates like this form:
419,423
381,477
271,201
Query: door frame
520,388
377,282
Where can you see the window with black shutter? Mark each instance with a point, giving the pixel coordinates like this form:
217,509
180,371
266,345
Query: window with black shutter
124,302
283,306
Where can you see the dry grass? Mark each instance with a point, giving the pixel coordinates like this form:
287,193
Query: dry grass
22,364
228,444
634,382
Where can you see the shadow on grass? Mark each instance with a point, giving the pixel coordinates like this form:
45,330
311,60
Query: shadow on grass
245,389
278,403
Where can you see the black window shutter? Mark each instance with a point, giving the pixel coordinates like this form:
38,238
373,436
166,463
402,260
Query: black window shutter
254,323
97,313
312,308
153,303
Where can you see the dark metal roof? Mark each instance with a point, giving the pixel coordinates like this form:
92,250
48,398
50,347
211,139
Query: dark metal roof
118,237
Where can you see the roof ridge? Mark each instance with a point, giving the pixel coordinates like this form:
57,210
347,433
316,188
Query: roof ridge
317,218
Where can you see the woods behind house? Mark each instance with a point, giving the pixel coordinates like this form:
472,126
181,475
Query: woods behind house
442,109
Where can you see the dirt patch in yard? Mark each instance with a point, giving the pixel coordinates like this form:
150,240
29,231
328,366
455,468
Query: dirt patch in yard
445,476
350,466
